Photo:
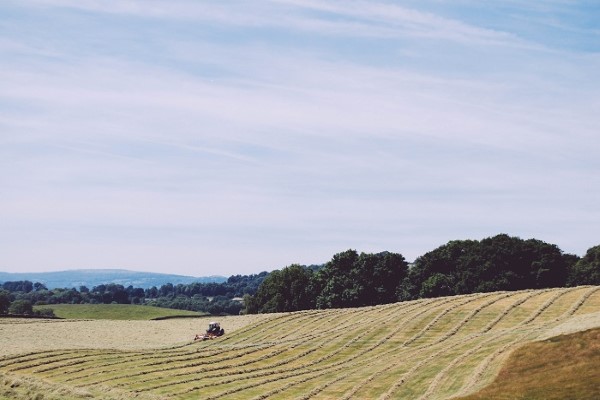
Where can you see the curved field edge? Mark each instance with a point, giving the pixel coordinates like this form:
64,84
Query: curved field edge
34,335
429,349
562,367
117,312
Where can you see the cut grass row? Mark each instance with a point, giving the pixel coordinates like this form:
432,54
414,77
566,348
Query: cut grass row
404,350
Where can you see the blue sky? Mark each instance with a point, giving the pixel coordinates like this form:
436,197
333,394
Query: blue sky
232,137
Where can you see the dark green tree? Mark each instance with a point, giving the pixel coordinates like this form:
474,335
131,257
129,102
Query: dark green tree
167,290
44,312
337,288
437,285
21,307
446,260
18,286
283,290
379,276
353,280
4,301
496,263
587,270
118,294
511,263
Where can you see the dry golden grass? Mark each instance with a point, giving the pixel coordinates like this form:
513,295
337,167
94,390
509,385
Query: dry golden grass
30,335
562,367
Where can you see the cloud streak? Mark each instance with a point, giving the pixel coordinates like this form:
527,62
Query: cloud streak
252,137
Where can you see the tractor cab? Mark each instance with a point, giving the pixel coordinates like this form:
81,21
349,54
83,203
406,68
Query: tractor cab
213,327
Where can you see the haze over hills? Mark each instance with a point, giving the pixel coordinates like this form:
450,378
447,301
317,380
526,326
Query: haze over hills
95,277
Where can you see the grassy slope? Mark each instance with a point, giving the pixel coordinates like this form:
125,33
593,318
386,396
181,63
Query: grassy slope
30,388
115,311
425,349
563,367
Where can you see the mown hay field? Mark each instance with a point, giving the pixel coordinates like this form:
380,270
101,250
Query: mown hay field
425,349
32,335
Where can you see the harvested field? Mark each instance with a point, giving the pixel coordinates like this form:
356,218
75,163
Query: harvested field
30,335
576,324
425,349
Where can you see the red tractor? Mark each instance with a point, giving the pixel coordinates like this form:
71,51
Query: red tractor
214,331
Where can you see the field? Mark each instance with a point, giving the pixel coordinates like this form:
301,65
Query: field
115,311
563,367
425,349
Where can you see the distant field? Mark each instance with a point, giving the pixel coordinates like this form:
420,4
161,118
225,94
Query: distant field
425,349
115,311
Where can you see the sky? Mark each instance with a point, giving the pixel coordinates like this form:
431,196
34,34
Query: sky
234,137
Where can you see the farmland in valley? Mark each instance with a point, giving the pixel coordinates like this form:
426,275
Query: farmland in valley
425,349
116,311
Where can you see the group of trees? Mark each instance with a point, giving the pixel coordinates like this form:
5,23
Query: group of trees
497,263
350,279
8,305
19,297
587,269
501,262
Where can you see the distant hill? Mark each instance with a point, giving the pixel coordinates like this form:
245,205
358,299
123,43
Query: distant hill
95,277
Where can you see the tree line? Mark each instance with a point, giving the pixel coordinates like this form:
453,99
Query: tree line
499,263
19,297
349,279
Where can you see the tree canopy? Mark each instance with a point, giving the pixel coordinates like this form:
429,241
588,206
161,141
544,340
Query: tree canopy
353,280
587,270
497,263
288,289
348,280
501,262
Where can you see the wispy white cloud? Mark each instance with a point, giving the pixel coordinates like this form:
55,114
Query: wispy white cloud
351,18
281,132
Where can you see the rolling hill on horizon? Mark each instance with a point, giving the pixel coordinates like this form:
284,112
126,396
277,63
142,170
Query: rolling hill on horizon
94,277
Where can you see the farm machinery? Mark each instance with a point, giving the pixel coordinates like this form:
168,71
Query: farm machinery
214,331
